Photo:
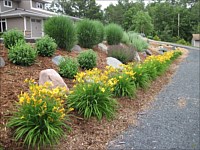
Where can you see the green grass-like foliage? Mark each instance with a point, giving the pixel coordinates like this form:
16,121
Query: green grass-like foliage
90,99
183,42
40,116
68,67
100,31
11,37
114,33
123,54
137,42
87,59
156,38
87,33
141,77
125,86
62,30
46,46
22,54
125,38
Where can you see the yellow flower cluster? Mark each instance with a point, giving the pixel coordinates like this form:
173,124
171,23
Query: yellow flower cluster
161,58
44,97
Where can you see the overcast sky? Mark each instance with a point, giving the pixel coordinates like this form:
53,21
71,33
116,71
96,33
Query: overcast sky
106,3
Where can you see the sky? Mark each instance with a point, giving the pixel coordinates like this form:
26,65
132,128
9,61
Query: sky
106,3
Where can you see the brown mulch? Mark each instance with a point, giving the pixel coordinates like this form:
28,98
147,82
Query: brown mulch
91,134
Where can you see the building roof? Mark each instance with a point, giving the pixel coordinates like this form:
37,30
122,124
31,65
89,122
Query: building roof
196,37
23,12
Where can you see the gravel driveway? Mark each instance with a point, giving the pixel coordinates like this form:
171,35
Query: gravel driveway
173,120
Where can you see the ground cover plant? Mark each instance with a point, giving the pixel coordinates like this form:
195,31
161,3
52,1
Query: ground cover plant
46,46
22,54
40,115
11,37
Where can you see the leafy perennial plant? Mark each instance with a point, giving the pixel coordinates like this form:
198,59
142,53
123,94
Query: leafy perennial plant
40,116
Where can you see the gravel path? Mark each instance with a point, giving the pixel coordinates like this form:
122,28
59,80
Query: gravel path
173,120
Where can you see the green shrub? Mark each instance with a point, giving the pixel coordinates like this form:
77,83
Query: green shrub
156,38
125,38
68,67
62,30
87,33
125,86
100,31
183,42
22,54
137,42
150,69
92,99
87,59
141,76
46,46
114,34
123,54
11,37
40,116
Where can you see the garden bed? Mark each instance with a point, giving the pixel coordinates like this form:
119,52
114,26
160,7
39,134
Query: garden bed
91,134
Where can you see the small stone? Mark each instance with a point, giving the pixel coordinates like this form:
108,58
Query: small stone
2,62
137,57
163,49
148,52
50,75
77,48
56,60
114,62
103,47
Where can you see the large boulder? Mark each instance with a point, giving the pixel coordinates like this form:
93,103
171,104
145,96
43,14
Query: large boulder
2,62
113,62
51,75
103,47
56,60
76,48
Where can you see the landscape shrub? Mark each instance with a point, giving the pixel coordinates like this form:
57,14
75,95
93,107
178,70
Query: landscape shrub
11,37
93,99
114,34
125,38
87,33
123,54
22,54
125,85
68,67
62,30
46,46
100,31
137,42
40,115
87,59
156,38
183,42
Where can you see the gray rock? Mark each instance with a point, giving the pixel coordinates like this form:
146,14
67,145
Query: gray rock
103,47
174,48
2,62
163,49
56,60
161,52
114,62
148,52
77,48
137,57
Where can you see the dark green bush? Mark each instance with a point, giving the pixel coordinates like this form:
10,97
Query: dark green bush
62,30
114,34
100,31
183,42
22,54
11,37
87,33
87,59
123,54
46,46
68,67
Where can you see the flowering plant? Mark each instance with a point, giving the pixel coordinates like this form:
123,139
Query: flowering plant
40,115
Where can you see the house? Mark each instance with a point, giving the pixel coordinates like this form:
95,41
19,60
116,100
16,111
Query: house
25,15
196,40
